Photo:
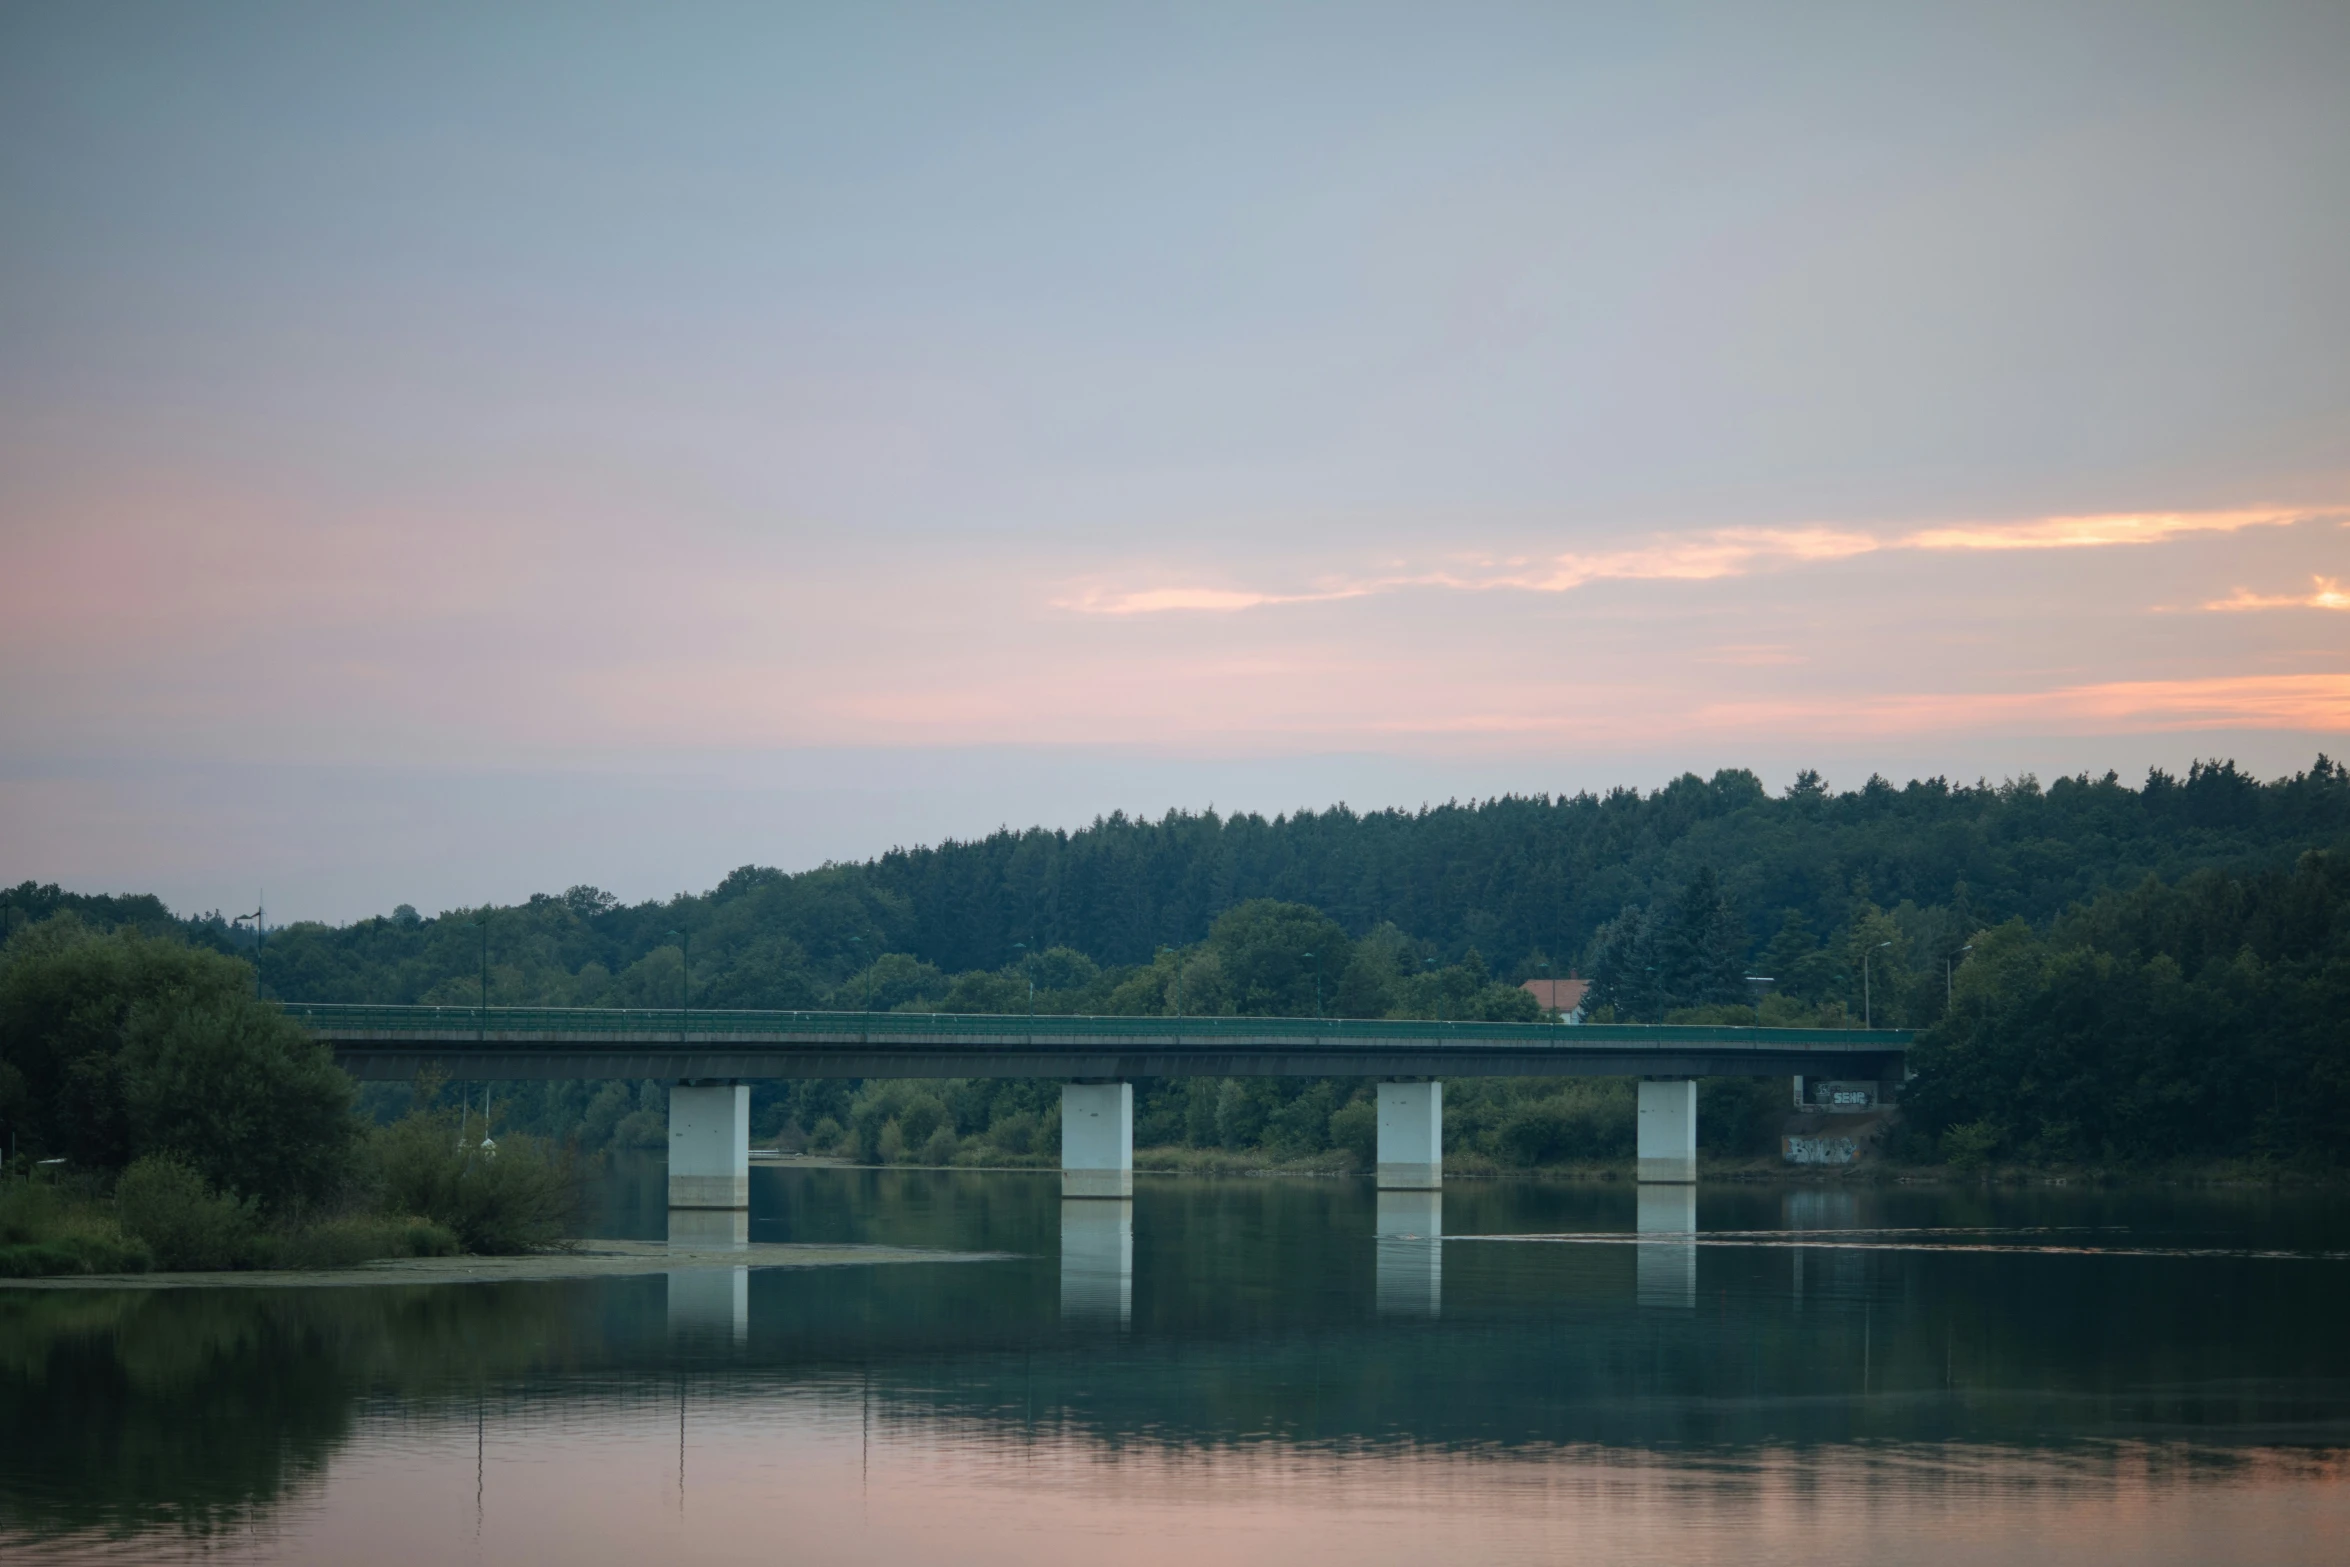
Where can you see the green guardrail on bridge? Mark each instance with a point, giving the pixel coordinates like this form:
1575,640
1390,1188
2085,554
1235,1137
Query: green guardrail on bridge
344,1018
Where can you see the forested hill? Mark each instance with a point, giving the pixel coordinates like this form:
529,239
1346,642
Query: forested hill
1519,878
1720,872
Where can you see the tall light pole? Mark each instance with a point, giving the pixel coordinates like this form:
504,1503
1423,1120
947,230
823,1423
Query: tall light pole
1317,957
1868,1014
258,938
481,1011
1949,968
685,981
859,943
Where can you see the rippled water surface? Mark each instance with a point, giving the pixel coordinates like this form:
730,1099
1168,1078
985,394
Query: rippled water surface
1251,1371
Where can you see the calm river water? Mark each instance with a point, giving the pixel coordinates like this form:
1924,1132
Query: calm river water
1277,1371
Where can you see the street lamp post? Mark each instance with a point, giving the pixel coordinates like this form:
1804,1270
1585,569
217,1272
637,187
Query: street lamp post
481,1010
259,938
1868,1014
685,982
1949,968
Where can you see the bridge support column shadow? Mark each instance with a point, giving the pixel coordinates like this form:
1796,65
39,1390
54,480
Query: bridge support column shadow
1097,1139
709,1145
1668,1129
1411,1136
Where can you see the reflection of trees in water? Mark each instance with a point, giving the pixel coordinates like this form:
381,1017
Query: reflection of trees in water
123,1412
202,1410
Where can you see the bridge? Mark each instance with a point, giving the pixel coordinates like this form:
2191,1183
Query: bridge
708,1055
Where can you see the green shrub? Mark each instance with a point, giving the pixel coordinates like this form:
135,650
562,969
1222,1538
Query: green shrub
45,1231
1354,1127
187,1225
641,1129
1014,1132
1564,1126
522,1196
1970,1146
29,1211
357,1238
78,1252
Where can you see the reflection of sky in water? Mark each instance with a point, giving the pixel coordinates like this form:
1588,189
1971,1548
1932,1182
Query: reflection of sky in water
1249,1371
799,1479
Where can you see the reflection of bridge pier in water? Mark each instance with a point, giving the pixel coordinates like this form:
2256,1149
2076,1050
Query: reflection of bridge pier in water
1408,1266
710,1302
1097,1260
1665,1273
1841,1270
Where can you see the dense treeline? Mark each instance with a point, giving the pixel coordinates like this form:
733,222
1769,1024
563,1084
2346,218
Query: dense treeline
1704,900
2205,1018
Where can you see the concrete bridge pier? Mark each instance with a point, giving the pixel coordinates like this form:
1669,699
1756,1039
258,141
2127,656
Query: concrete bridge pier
1097,1139
1668,1129
709,1145
1411,1136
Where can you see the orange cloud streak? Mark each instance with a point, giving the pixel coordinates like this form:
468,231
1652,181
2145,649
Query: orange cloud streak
2069,533
1730,552
2328,595
2315,702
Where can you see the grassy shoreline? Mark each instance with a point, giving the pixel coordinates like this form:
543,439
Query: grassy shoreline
586,1260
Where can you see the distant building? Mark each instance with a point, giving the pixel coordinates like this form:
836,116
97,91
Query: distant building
1562,996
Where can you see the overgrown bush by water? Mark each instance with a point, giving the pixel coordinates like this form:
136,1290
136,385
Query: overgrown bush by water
179,1122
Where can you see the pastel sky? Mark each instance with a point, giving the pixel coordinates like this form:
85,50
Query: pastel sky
448,452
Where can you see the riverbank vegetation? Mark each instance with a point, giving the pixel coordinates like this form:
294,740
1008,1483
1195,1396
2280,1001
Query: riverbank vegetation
2096,971
159,1114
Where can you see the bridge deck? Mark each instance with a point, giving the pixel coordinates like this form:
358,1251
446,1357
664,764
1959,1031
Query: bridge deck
392,1043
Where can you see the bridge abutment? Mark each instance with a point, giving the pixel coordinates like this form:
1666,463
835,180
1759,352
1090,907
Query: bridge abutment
709,1145
1668,1129
1411,1136
1097,1139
